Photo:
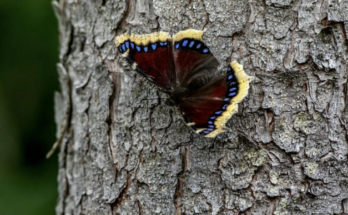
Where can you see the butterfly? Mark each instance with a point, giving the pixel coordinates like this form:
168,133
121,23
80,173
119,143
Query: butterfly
183,67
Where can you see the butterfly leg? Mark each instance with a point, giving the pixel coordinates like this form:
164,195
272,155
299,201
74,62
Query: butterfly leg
212,144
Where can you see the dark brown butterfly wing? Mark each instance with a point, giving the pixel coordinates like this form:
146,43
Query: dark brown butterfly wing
208,109
151,55
192,57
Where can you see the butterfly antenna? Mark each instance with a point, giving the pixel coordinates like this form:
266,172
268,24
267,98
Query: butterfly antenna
248,137
159,98
149,99
214,142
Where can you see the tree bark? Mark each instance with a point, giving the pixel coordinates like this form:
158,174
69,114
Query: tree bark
123,151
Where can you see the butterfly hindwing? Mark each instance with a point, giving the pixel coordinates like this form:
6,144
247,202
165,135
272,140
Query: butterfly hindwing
151,56
208,110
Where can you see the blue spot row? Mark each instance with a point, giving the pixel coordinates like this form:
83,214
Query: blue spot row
150,47
232,84
232,94
218,112
205,132
184,43
192,44
210,123
154,46
208,130
232,91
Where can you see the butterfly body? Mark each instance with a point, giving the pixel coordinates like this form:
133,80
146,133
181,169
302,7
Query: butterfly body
178,95
183,67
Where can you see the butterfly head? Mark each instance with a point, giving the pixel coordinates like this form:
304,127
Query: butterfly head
169,102
178,95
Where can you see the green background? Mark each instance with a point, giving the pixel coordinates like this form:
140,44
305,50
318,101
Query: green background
28,79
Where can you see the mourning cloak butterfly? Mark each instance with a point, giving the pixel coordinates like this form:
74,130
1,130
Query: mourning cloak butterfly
183,67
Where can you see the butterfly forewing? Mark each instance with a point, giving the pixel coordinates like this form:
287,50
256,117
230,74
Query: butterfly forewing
192,57
151,56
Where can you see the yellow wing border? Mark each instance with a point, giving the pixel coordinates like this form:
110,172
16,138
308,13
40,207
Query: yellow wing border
243,87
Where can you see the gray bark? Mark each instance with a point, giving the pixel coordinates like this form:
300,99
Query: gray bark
123,151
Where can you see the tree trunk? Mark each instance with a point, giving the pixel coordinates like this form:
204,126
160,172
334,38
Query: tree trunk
123,151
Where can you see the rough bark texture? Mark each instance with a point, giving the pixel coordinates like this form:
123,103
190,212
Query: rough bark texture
124,151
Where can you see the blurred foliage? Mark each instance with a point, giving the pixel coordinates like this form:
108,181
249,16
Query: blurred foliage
28,79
